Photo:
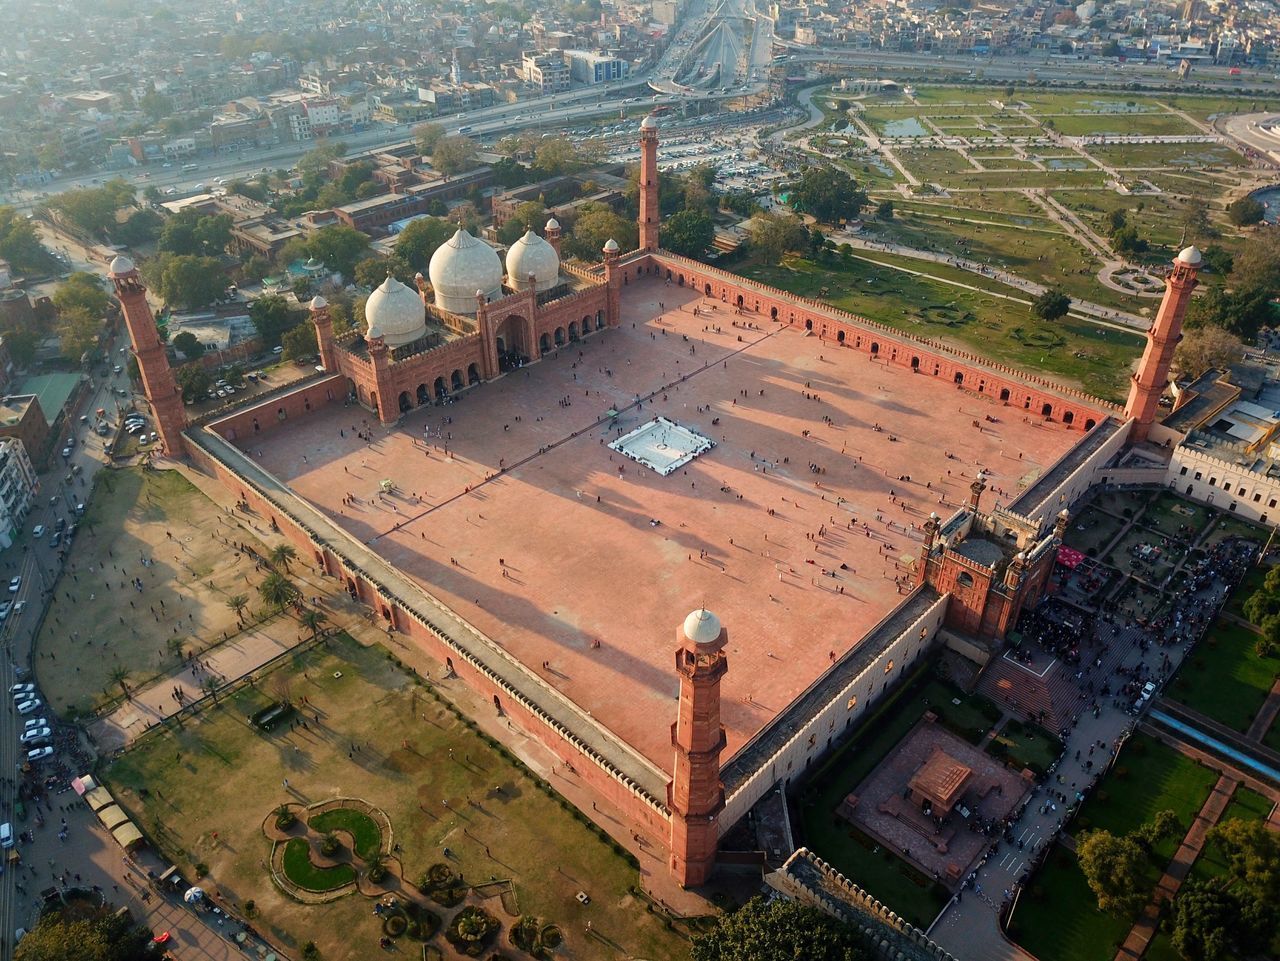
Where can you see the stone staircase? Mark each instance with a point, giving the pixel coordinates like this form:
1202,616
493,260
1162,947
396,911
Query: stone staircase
1023,694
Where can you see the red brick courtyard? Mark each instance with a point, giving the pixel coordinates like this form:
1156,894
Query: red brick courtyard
582,563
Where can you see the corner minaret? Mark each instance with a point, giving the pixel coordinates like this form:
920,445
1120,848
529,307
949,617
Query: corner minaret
153,361
324,333
649,184
1162,339
697,794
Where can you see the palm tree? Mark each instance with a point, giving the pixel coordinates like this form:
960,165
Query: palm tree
210,687
281,555
312,619
277,591
119,675
237,603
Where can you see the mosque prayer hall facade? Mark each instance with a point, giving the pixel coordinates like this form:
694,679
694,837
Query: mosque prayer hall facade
455,467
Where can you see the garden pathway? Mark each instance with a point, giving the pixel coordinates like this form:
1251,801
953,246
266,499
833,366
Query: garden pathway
1266,714
1144,929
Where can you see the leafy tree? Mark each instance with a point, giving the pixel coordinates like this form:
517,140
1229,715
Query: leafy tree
427,136
454,154
1116,869
1217,259
105,937
20,244
510,173
1112,48
1126,241
185,281
773,234
1163,825
255,268
339,247
155,105
141,228
1051,305
779,930
299,342
199,235
420,239
1252,851
884,210
188,344
555,156
597,224
1213,923
1117,220
1245,212
81,291
194,381
1206,347
688,233
78,332
272,316
828,194
93,209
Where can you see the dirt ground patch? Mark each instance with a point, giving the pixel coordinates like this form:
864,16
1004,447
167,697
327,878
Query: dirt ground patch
153,526
203,792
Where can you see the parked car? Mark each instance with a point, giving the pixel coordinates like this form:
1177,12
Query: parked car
22,689
26,707
36,734
35,722
39,753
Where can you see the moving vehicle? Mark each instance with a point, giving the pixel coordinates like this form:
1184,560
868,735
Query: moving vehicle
15,583
6,835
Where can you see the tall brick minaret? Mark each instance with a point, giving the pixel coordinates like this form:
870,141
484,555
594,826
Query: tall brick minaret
1162,339
697,794
153,361
324,333
649,213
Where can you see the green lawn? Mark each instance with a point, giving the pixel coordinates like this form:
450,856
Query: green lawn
1175,517
201,794
1148,777
1197,155
362,828
1058,918
1116,124
1251,584
850,851
299,869
1026,745
1075,351
1245,805
1224,678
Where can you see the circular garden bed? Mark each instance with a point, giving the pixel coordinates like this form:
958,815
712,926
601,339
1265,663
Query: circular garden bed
306,874
471,930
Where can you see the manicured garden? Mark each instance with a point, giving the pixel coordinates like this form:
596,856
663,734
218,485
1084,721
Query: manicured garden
385,738
1245,805
849,850
362,828
1057,918
1147,777
1224,678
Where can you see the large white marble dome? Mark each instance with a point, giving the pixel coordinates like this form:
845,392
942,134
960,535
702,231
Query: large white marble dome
532,255
395,313
460,268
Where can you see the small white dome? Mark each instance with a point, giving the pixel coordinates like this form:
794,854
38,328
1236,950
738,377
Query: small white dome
459,268
650,122
611,246
532,255
120,266
702,627
1190,256
553,224
318,303
395,313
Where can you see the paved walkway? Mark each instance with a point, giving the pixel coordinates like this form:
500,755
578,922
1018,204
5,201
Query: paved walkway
1266,715
1135,945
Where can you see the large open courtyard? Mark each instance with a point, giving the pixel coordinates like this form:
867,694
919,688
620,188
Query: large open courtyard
569,554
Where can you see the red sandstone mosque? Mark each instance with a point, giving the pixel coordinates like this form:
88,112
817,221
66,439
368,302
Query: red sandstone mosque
547,578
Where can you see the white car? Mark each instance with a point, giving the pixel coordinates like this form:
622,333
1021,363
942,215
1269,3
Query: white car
35,722
16,583
26,707
36,734
22,689
6,835
39,753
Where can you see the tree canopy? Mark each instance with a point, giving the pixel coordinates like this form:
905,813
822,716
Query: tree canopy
454,154
688,233
194,382
200,235
188,344
185,281
1245,212
1051,305
1206,347
828,194
20,244
1243,305
420,239
272,316
108,937
1212,922
773,234
299,342
596,225
1116,870
338,247
83,291
93,209
779,930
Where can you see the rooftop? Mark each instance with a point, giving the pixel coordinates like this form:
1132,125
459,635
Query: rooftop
53,390
534,557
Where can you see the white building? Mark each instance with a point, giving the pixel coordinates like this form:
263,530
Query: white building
18,486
